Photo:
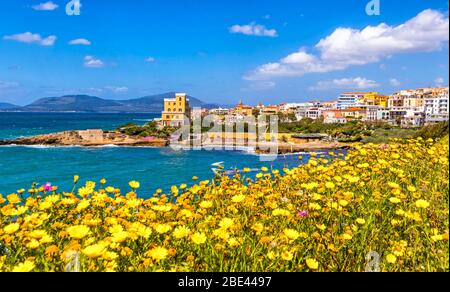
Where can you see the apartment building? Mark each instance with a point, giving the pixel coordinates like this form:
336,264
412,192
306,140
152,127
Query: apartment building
436,107
177,111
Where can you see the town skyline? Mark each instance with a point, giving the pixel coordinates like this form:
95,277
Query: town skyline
258,53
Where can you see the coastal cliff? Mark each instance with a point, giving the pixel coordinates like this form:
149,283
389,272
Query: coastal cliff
87,138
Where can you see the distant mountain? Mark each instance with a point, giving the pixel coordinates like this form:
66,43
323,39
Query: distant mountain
73,103
5,105
86,103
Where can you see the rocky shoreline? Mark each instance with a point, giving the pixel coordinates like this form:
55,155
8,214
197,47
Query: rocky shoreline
98,138
88,138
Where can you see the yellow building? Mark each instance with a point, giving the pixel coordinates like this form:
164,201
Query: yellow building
177,111
375,98
243,110
413,102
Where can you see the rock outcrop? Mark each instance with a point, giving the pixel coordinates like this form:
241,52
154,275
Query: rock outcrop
87,138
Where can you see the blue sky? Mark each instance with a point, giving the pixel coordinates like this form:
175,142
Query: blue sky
220,51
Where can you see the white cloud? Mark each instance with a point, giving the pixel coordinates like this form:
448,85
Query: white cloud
253,29
47,6
117,89
357,83
394,82
7,84
150,60
30,38
439,81
91,62
426,32
82,42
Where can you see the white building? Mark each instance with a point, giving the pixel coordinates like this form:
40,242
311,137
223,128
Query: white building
293,106
371,113
350,99
219,111
407,116
308,113
437,108
383,114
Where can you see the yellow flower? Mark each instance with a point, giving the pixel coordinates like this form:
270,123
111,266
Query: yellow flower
21,210
158,253
393,185
271,255
321,227
264,169
37,234
281,212
226,223
95,250
394,200
347,236
312,264
134,184
83,204
238,198
46,239
291,234
422,204
163,228
436,238
85,191
45,205
360,221
181,232
330,185
343,203
390,258
24,267
353,179
412,189
198,238
314,206
120,236
33,244
75,179
13,199
11,228
258,227
206,204
133,203
287,256
78,231
103,181
233,242
246,170
144,232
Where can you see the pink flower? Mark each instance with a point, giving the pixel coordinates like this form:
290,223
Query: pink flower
303,214
48,187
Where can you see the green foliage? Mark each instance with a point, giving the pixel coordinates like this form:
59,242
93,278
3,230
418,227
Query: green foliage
435,131
148,130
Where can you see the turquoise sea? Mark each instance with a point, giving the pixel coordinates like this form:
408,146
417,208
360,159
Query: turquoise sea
153,167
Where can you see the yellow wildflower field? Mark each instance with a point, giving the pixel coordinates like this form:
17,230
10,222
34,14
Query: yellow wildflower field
387,201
